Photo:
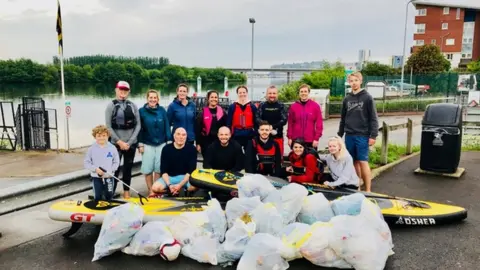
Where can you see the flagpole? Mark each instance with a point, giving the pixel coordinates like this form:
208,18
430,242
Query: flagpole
67,128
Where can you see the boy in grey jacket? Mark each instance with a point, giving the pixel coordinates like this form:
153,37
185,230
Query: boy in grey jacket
102,154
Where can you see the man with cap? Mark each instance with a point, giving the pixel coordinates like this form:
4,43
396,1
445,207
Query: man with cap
123,121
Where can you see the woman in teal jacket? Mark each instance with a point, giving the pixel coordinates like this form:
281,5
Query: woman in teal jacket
182,113
154,134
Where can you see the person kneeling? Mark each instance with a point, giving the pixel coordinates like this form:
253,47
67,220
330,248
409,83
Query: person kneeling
263,155
340,164
224,154
304,164
178,161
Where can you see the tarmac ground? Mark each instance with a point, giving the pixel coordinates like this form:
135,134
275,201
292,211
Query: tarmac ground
455,246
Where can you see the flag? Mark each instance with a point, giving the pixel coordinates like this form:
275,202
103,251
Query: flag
59,28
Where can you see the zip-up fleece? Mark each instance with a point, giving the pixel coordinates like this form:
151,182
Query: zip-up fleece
359,115
155,126
105,157
305,121
183,116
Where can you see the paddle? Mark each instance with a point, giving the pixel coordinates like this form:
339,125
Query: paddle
138,193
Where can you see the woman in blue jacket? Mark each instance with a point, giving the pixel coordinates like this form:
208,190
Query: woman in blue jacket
154,134
182,113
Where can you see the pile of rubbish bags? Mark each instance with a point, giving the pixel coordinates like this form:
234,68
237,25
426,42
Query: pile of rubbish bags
264,228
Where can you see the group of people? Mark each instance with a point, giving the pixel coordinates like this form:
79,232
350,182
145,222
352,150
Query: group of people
245,137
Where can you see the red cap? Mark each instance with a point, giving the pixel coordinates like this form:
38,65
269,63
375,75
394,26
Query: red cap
123,85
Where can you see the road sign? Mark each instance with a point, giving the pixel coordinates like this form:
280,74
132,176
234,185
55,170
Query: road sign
68,111
67,103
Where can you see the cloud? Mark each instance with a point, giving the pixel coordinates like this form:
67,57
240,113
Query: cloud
206,33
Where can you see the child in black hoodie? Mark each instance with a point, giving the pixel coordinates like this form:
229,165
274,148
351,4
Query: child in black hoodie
359,123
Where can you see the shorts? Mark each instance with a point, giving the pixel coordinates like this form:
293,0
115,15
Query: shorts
358,147
151,158
174,180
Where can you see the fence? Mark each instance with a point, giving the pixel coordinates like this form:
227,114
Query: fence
8,140
386,129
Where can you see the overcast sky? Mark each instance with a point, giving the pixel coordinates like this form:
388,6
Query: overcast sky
207,33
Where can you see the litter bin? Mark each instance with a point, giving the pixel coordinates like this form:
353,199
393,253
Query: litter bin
441,142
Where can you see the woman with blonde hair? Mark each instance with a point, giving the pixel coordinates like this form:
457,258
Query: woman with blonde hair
340,164
154,134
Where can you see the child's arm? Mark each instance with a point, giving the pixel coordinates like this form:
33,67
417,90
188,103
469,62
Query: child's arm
88,161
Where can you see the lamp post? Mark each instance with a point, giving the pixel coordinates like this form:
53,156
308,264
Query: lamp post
404,45
252,21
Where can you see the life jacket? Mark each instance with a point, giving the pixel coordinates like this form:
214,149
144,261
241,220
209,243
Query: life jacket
320,164
208,117
264,156
123,118
243,119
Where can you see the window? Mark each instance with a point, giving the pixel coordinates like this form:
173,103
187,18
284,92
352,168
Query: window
420,28
450,41
419,42
458,14
422,12
444,26
434,41
450,56
446,10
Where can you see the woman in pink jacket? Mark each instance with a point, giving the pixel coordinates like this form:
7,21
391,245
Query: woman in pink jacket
305,119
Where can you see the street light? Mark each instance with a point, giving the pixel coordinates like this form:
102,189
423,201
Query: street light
252,21
404,45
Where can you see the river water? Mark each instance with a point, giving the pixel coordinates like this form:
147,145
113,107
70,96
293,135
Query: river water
88,103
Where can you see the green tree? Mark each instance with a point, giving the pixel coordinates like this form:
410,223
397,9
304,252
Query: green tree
474,66
428,59
377,69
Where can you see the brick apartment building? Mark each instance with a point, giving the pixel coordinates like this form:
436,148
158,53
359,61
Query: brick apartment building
453,25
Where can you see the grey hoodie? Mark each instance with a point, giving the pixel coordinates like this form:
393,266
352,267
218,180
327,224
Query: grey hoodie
342,170
106,157
359,115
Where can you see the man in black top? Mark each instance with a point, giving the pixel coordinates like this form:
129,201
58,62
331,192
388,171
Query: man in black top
224,154
274,112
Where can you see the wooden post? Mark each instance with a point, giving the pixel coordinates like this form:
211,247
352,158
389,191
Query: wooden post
409,136
384,153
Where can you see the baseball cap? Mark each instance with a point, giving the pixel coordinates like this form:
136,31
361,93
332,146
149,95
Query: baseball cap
123,85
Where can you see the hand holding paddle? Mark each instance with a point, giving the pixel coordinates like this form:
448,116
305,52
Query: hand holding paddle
138,193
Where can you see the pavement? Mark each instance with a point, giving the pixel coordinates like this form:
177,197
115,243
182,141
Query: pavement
455,246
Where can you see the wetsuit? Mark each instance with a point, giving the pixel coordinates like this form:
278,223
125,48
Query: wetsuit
276,115
219,157
263,158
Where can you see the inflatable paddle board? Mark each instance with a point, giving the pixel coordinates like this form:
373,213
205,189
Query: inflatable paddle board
88,211
396,211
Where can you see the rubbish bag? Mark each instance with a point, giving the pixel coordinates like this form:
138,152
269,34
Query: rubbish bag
315,208
372,213
252,185
263,251
188,226
217,221
202,249
348,205
354,240
292,197
119,226
154,238
240,207
236,239
267,219
316,248
293,236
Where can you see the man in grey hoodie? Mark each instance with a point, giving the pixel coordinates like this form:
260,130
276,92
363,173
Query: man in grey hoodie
359,123
123,121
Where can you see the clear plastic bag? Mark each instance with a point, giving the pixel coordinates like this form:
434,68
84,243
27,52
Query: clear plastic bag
348,205
236,239
353,239
267,219
252,185
240,208
315,208
263,252
188,226
217,221
292,197
119,226
202,249
316,248
151,237
293,236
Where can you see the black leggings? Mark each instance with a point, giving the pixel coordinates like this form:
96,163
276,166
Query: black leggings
128,157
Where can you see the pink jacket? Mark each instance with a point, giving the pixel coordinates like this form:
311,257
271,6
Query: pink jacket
305,121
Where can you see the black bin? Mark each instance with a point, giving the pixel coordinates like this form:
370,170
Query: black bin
441,143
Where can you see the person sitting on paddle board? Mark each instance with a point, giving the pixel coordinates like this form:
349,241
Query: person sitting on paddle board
209,121
262,154
224,154
178,161
304,164
340,164
241,118
102,154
